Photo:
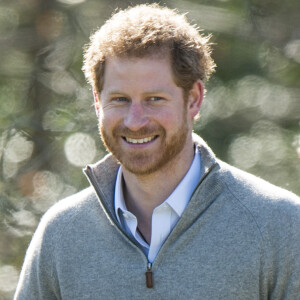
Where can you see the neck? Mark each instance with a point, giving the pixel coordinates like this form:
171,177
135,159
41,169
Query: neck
143,193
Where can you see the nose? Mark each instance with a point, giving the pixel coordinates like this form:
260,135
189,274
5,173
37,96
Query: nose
135,118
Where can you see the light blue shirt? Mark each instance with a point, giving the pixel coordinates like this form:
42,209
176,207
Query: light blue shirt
164,216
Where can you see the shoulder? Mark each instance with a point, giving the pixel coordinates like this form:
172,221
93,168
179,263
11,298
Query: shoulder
248,187
276,211
72,205
67,212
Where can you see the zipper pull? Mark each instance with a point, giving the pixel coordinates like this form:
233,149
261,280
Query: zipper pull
149,278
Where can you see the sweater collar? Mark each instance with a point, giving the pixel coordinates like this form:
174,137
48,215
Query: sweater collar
102,175
178,199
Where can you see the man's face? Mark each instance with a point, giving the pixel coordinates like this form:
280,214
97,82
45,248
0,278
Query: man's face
143,119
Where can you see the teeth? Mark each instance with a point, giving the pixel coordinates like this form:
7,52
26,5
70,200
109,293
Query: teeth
139,141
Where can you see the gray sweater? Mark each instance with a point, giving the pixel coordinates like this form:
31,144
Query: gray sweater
239,238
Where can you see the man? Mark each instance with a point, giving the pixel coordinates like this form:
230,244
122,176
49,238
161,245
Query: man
163,218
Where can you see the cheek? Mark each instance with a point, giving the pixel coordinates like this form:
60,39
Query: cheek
108,118
168,115
173,118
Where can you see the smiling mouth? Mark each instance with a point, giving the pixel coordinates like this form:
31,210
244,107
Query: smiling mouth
140,141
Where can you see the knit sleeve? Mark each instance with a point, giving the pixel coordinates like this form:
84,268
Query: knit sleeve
281,259
38,278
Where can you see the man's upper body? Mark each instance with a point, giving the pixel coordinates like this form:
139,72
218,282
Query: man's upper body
147,125
236,236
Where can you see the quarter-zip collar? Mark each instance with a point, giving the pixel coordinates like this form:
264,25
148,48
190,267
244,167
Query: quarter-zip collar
102,176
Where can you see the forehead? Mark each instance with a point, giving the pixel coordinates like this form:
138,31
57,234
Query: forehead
140,72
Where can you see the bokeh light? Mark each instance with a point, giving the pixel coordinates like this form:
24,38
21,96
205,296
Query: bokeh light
292,50
47,189
8,278
264,145
244,152
24,218
71,2
18,148
80,149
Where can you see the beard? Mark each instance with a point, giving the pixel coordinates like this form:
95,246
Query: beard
144,162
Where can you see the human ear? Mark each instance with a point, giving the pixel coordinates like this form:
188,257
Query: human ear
96,102
195,98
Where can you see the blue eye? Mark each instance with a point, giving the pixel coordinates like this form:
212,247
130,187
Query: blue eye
155,98
120,99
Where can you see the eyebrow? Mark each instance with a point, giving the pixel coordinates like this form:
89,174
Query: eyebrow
157,91
113,92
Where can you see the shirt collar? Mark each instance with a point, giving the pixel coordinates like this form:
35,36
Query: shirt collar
179,198
119,198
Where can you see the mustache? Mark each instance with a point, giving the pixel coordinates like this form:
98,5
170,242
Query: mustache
121,130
